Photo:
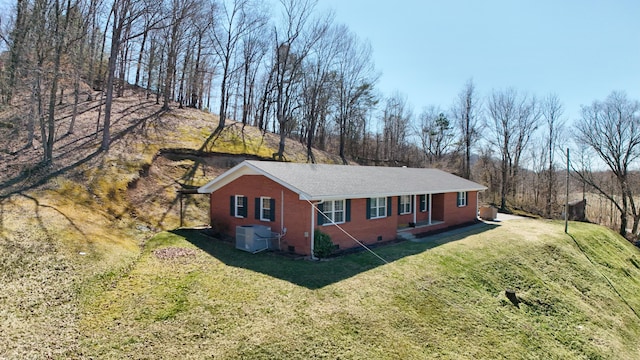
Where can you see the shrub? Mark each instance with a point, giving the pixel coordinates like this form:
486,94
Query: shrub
322,244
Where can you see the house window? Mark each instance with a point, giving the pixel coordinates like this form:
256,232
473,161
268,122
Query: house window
240,206
424,203
265,209
405,204
334,211
462,198
377,208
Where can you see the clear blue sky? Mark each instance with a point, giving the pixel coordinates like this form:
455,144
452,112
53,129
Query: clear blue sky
579,49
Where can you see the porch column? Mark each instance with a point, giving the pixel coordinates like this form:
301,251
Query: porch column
429,209
415,208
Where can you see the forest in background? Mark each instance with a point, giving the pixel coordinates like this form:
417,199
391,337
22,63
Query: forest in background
287,68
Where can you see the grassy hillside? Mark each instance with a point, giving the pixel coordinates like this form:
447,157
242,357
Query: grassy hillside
89,214
436,300
87,271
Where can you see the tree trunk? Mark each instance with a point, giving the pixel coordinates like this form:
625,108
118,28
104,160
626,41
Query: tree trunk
152,53
281,144
222,115
115,45
504,186
342,140
59,38
181,96
76,88
198,79
139,65
101,78
15,58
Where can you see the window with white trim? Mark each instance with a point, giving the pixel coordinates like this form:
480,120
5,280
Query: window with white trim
265,208
405,204
240,206
462,198
334,211
378,208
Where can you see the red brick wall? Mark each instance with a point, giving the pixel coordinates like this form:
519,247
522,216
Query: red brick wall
296,216
454,215
366,231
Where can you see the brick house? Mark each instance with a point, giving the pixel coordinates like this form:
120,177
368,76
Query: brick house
370,203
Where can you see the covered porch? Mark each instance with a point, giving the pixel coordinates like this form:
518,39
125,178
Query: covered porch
420,210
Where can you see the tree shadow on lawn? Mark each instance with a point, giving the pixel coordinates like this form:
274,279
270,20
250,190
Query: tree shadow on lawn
318,274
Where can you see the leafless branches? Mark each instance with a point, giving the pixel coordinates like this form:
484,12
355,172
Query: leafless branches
611,131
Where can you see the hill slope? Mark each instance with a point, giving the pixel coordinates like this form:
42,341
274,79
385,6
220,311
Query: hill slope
83,276
188,296
90,212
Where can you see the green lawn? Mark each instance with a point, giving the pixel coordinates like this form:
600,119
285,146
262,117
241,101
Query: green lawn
443,299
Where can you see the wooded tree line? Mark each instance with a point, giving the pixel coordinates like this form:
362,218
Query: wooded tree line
288,68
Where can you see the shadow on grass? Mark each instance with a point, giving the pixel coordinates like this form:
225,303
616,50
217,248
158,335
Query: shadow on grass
40,174
318,274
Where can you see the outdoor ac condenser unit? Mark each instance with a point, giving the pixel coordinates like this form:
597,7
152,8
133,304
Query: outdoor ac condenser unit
253,238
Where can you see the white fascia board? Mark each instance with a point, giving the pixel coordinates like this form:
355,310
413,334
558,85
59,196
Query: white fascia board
226,177
244,168
304,196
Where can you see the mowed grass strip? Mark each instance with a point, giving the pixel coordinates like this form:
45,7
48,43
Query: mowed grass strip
430,301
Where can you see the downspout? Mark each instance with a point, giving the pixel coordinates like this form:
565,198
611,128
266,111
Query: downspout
429,208
313,226
282,229
477,208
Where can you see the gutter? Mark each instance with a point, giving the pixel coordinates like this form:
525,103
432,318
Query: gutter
313,225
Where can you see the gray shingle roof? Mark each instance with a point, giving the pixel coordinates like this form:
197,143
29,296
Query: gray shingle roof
322,181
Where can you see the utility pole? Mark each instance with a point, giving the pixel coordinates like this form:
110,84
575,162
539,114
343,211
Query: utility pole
566,204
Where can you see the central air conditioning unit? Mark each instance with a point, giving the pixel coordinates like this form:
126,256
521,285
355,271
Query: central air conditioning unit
253,238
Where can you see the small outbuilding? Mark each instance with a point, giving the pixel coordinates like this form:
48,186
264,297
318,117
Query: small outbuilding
371,204
577,210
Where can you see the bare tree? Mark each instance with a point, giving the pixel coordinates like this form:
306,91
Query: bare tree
95,8
611,129
4,44
180,14
293,41
254,48
356,78
81,18
317,85
39,26
466,112
201,27
396,120
17,45
148,20
51,19
234,22
552,111
513,119
123,14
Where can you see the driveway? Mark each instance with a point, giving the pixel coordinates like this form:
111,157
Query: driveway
505,217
